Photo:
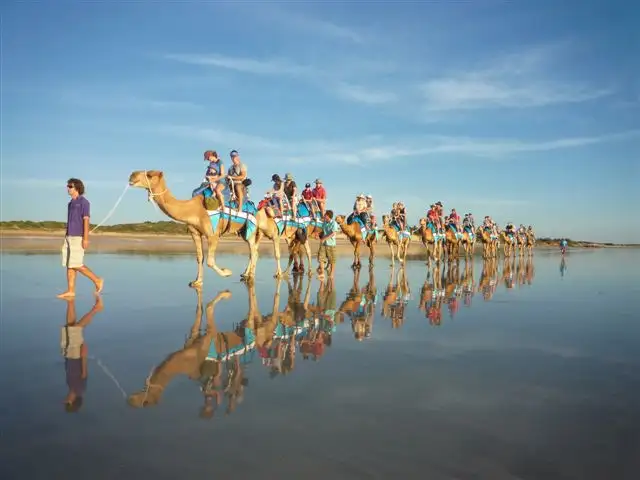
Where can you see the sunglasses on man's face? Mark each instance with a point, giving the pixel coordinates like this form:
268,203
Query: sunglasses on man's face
69,186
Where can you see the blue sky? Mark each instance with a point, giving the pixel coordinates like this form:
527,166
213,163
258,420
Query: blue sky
524,111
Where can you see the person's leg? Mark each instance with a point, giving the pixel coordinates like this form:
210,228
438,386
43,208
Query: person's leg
218,191
331,261
322,257
71,284
239,189
97,281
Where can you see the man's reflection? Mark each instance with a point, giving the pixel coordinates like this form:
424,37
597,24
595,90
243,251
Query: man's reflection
75,351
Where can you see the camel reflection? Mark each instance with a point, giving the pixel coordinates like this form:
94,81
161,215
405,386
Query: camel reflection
432,295
359,305
488,278
204,358
396,297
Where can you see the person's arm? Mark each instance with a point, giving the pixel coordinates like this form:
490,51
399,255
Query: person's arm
242,176
86,213
83,355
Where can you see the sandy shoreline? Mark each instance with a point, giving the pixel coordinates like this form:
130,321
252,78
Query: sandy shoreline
51,242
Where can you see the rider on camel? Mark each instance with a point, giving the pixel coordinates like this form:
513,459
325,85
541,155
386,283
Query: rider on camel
472,221
320,196
360,209
307,197
401,216
510,229
276,192
236,176
212,177
454,219
440,211
432,216
467,222
291,190
372,216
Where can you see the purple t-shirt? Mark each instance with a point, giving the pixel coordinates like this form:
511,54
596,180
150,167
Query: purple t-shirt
75,382
76,211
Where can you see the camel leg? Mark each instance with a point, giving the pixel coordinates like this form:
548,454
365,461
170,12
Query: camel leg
393,254
198,242
212,241
307,249
276,254
356,254
372,251
253,254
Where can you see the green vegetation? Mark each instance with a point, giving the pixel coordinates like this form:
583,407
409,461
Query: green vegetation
174,228
159,228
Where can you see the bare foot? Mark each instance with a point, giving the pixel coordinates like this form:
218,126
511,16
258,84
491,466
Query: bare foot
67,295
99,285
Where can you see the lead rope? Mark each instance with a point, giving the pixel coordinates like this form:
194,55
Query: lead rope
113,209
117,384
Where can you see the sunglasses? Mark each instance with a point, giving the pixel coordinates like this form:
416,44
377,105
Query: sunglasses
69,186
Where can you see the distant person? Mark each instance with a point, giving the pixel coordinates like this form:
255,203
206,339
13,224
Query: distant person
327,250
74,351
76,240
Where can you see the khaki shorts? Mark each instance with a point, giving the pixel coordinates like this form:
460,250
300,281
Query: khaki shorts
72,252
326,253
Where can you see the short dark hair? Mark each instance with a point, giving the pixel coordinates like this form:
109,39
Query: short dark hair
77,184
329,213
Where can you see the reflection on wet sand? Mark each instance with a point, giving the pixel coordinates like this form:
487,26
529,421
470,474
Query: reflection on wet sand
360,306
305,325
75,352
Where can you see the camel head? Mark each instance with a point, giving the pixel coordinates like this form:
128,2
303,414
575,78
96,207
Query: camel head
146,179
340,219
385,220
423,222
147,398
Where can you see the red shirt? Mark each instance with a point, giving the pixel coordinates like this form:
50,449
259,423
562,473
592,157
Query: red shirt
432,214
319,193
307,194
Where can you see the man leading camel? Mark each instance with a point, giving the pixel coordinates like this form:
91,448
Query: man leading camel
76,240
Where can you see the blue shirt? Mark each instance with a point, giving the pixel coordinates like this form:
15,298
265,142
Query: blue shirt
328,228
77,209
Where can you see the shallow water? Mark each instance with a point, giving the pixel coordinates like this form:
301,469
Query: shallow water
533,377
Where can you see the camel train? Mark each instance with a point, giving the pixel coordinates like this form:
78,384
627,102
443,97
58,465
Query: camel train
253,223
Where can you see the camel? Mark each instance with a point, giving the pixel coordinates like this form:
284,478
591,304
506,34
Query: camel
452,243
530,243
189,360
430,240
432,295
509,243
488,244
468,242
397,245
193,213
354,234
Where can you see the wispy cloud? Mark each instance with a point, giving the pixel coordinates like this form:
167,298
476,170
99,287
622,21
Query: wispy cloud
331,78
358,93
59,183
361,151
306,23
512,81
255,66
106,100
